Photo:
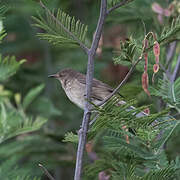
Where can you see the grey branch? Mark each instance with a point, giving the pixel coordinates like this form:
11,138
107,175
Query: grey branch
176,69
89,78
169,57
64,28
170,52
46,172
118,5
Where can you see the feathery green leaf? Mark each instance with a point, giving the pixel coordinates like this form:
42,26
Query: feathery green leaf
61,29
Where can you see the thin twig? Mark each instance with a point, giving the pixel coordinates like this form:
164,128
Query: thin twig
165,70
89,78
46,172
118,5
170,52
176,69
65,29
122,82
126,77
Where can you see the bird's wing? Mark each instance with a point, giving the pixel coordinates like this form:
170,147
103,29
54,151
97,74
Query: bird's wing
100,90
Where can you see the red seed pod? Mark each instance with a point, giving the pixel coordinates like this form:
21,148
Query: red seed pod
157,59
156,68
145,83
147,111
156,49
146,62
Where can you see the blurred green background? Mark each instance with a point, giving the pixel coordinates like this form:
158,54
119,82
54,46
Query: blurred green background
45,145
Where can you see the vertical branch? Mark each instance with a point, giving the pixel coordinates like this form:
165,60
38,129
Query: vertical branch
176,69
89,78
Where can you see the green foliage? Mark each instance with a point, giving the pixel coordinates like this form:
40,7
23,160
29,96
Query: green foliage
70,137
14,122
35,147
144,157
129,170
163,174
172,32
43,106
8,67
112,3
133,12
27,178
129,48
3,10
32,94
2,35
168,91
133,48
9,170
61,28
143,147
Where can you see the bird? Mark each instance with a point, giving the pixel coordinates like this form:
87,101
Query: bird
74,85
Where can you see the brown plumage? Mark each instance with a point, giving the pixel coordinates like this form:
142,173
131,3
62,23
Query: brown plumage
74,83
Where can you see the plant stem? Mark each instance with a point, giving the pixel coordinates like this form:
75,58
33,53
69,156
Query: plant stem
89,78
46,172
122,82
176,69
118,5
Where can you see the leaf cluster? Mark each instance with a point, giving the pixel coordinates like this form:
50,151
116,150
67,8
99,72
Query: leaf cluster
132,48
139,148
168,91
61,29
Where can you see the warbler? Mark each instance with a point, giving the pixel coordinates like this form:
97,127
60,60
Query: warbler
74,85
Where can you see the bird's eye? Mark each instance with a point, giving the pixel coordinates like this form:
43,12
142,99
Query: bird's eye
61,75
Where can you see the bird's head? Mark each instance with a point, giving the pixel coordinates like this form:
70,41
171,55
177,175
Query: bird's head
64,75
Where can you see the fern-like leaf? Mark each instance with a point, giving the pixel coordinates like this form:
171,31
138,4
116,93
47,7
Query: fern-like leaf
32,94
61,29
2,35
3,10
168,91
172,32
13,123
8,67
167,173
70,137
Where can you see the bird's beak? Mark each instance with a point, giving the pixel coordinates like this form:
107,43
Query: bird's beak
53,76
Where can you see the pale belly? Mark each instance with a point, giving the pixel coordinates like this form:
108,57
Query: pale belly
77,97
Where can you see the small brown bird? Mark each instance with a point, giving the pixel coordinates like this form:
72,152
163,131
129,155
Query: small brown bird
74,83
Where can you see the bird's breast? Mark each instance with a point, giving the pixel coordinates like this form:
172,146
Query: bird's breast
75,91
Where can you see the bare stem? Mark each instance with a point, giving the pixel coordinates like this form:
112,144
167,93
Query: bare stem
46,172
64,28
170,53
122,82
89,78
118,5
176,69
